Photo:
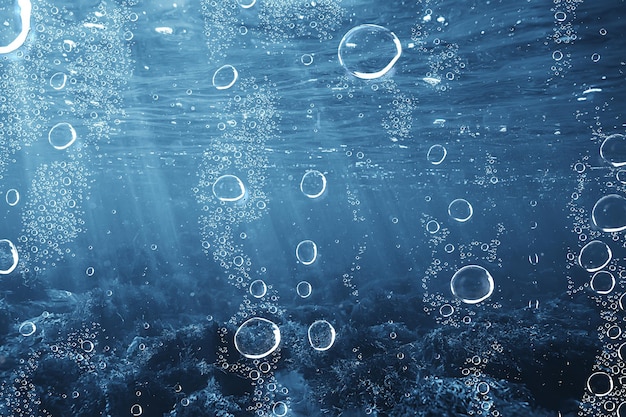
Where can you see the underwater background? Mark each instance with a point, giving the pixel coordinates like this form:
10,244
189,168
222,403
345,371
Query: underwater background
313,208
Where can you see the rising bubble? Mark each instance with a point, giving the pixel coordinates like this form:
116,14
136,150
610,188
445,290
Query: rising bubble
472,284
25,12
460,210
12,197
432,226
436,154
228,188
306,252
304,289
369,51
246,4
321,335
258,288
313,184
136,410
257,338
602,282
58,80
600,384
225,77
621,351
609,213
446,310
279,409
594,256
613,150
27,328
61,136
8,257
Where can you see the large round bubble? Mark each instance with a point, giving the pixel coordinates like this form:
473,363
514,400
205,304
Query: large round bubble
613,150
369,51
600,384
12,197
25,12
257,288
472,284
225,77
602,282
8,257
321,335
58,80
304,289
306,252
279,409
61,136
257,338
436,154
28,328
460,210
313,184
594,256
228,188
609,213
621,351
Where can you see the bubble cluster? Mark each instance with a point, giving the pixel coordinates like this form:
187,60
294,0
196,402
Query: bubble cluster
228,22
594,267
287,19
53,216
467,266
444,63
398,122
222,27
79,73
563,34
19,394
232,175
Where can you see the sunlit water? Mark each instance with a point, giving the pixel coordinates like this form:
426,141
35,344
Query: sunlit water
307,208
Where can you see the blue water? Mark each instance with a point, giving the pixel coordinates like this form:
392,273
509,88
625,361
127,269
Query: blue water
310,208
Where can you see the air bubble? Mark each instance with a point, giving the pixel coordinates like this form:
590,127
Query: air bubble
321,335
257,338
228,188
369,51
306,252
61,136
460,210
594,256
225,77
472,284
313,184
